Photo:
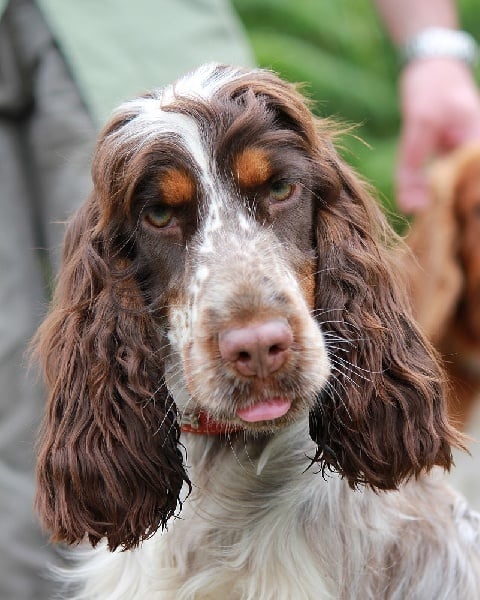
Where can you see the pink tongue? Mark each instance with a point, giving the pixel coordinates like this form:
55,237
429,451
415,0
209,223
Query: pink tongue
265,411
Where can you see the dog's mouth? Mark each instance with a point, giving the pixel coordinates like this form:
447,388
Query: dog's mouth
265,415
269,409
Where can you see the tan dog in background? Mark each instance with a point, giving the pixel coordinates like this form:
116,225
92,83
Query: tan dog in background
445,280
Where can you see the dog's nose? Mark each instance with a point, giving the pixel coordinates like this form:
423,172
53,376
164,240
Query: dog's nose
259,349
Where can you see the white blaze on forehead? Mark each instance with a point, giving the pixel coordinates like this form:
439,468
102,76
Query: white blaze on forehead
152,120
200,85
203,83
152,123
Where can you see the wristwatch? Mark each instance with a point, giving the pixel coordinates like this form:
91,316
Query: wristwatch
441,42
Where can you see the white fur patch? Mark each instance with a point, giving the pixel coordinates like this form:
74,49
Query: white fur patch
201,84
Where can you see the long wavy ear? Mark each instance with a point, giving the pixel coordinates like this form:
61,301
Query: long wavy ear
381,419
109,464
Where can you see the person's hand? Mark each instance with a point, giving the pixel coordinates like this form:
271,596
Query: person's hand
440,106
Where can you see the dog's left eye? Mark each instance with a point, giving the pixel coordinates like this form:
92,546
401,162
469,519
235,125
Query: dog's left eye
159,216
281,191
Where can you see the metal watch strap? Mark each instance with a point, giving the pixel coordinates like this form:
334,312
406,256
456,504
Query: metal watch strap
441,42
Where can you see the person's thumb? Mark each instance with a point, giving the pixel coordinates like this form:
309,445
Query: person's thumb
416,146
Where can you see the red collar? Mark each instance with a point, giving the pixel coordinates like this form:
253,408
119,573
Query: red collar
202,423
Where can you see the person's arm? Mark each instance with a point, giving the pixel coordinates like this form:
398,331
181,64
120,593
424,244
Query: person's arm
439,99
405,18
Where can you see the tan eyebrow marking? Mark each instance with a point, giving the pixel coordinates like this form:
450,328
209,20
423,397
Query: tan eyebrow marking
252,167
176,187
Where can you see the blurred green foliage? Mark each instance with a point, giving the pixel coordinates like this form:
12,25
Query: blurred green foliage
341,51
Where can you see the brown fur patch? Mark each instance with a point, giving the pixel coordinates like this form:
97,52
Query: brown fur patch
176,187
307,283
252,167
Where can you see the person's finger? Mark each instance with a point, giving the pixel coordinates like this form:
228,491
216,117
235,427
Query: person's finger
417,144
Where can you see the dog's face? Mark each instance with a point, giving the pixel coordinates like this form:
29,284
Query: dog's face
467,204
228,261
225,253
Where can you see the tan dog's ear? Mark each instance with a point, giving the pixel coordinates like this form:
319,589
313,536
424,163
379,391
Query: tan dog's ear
433,272
467,200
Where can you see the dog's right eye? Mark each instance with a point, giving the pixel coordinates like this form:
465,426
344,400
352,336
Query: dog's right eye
281,191
159,216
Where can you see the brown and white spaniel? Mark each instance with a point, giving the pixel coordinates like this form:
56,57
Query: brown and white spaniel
229,337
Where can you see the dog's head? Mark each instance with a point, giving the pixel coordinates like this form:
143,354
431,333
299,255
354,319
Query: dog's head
227,262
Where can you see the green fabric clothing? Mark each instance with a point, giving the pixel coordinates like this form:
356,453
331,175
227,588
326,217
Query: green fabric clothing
46,141
117,49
